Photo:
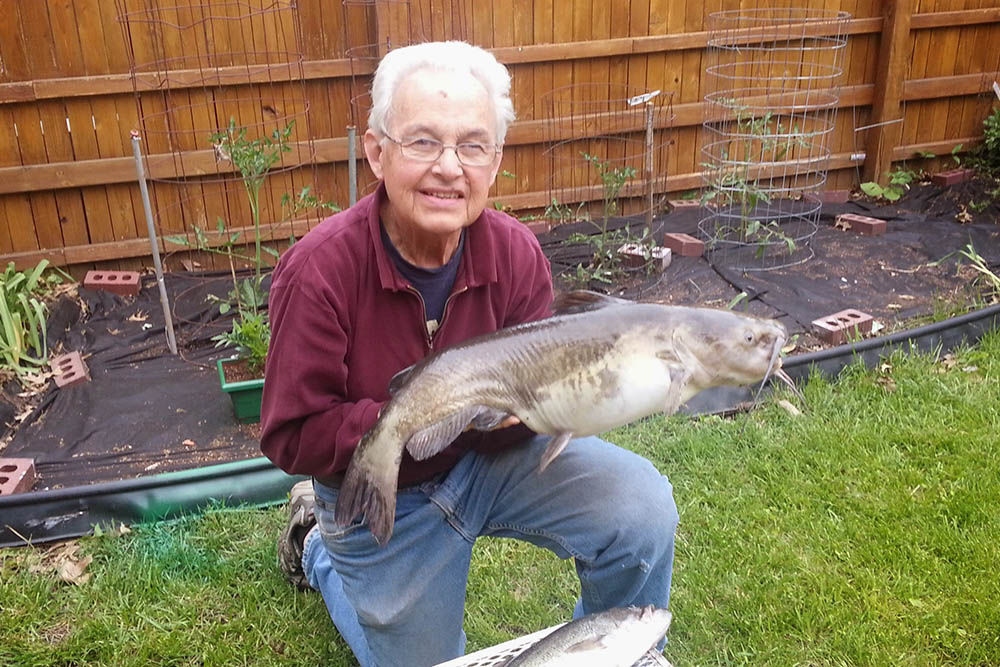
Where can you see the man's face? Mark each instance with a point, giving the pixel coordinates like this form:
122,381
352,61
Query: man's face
440,197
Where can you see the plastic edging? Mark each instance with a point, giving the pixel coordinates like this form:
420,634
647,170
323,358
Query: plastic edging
46,516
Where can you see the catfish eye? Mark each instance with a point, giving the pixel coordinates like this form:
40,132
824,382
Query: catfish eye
748,336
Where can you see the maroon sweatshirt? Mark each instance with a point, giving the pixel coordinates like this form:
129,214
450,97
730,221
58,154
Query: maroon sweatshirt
344,322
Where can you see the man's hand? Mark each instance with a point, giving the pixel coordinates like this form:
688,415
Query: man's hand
509,420
506,423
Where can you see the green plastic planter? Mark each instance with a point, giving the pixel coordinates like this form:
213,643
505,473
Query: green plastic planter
244,395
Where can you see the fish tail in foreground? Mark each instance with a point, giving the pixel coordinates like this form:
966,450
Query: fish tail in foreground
370,491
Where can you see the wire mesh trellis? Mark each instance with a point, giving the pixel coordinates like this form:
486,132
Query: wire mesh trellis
207,76
772,95
607,146
203,69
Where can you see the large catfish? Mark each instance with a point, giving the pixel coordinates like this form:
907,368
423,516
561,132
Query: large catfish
601,365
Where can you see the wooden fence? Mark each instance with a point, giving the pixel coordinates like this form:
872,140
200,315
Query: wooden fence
77,76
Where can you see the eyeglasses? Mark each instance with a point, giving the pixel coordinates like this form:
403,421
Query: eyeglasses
470,153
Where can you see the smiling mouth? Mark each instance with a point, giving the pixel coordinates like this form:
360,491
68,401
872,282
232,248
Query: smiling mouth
443,195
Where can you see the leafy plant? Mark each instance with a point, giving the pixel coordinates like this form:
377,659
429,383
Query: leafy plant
250,335
613,179
954,154
987,154
605,264
980,265
899,182
23,344
253,159
733,187
565,212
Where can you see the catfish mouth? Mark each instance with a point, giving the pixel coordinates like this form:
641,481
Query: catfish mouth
774,370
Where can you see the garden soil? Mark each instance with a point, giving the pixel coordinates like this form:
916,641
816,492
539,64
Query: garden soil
145,411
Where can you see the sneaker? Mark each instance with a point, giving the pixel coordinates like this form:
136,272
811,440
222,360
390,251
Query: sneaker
301,519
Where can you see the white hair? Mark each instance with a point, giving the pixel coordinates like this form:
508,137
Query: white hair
453,56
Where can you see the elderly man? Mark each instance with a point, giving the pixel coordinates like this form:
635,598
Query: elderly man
420,264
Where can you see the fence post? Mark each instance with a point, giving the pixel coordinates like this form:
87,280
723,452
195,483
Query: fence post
893,59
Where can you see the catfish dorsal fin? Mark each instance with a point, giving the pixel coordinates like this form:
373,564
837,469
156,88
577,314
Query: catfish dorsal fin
397,381
580,300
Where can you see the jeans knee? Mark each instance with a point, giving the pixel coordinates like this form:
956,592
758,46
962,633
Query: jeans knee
648,520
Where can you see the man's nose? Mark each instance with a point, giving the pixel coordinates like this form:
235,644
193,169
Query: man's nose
448,162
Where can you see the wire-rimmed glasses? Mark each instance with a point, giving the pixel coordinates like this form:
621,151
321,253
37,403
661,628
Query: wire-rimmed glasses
425,149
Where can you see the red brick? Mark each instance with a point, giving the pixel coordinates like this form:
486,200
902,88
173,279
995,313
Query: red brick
16,476
69,369
684,203
836,328
633,257
684,245
952,177
125,283
862,224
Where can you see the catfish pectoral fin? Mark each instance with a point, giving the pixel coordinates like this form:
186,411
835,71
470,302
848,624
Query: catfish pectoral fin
430,440
363,493
556,445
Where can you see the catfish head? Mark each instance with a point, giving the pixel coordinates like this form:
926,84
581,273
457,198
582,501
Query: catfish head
730,348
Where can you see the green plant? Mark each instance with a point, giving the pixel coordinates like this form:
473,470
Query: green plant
899,182
979,264
23,344
987,154
613,179
954,154
605,263
250,335
732,185
564,212
253,159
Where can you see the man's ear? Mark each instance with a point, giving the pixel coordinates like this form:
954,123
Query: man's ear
373,151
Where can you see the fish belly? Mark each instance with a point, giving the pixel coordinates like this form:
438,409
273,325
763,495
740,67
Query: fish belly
592,402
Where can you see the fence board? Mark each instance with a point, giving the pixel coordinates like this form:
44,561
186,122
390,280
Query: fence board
22,226
15,61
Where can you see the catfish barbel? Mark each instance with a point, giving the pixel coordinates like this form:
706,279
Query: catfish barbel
571,375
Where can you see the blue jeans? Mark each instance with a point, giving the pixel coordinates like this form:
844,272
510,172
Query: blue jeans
403,604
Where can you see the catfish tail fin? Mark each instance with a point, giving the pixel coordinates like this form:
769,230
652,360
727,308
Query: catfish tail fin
369,492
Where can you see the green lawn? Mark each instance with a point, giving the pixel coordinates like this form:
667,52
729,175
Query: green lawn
863,532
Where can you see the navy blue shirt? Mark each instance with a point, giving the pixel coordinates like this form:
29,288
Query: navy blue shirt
434,285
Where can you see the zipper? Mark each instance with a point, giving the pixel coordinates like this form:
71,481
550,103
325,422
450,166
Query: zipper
423,320
423,308
447,303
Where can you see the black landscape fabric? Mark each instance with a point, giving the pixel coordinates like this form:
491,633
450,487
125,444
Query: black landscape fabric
144,410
